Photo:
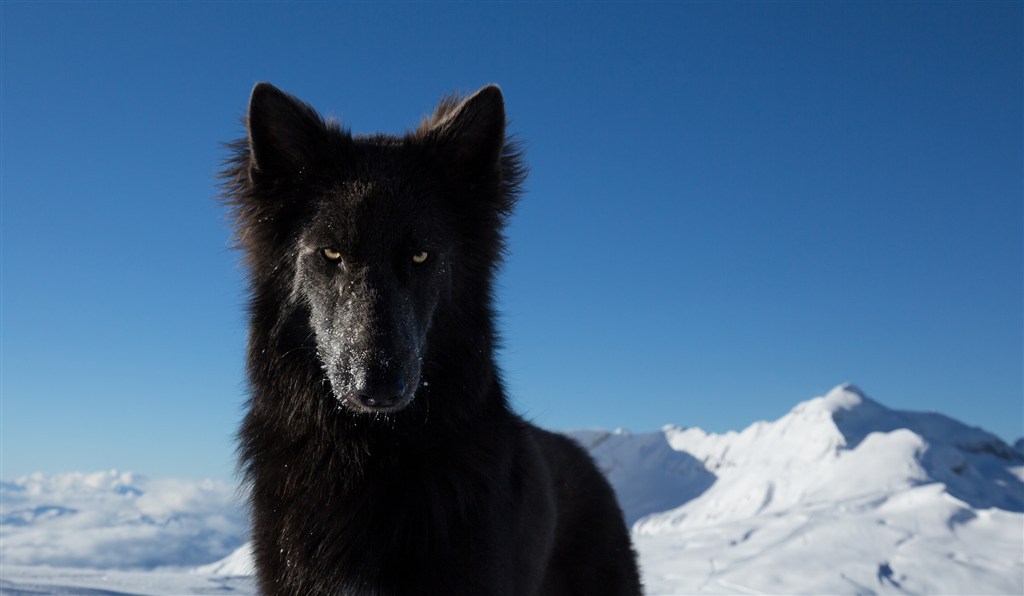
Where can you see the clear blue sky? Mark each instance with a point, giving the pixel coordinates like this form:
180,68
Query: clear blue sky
732,207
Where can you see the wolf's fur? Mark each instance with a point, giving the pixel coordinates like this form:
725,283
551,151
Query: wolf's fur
382,453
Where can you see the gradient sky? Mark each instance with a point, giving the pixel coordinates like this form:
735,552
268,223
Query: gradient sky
732,207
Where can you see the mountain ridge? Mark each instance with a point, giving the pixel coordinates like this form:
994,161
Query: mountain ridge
932,505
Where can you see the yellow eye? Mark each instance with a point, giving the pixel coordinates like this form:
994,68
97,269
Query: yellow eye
330,254
420,257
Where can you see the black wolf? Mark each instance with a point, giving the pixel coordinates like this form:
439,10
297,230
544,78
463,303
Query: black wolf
381,451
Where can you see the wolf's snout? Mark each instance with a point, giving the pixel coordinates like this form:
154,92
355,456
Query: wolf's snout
382,394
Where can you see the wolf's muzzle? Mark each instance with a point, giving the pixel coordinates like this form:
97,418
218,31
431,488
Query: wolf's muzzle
382,394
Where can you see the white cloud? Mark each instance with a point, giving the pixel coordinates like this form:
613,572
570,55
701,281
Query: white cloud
117,519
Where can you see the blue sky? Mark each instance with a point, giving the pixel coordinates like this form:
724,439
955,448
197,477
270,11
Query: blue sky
732,207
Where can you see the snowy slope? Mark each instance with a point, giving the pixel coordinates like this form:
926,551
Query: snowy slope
237,564
841,495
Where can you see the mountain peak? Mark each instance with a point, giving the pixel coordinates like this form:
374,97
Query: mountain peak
845,398
848,388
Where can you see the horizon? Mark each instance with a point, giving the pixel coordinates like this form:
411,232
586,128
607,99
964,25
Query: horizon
916,491
1014,443
731,209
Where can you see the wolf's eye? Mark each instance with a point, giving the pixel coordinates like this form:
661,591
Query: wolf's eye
420,257
330,254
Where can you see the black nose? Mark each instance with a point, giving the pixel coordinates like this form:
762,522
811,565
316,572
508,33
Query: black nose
381,395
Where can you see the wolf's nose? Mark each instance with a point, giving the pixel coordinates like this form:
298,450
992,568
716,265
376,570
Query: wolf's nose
381,395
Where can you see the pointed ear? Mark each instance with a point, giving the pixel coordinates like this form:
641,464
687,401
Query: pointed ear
474,130
283,131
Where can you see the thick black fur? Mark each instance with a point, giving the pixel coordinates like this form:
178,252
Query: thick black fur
382,454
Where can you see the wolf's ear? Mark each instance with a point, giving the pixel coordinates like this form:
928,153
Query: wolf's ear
474,130
284,132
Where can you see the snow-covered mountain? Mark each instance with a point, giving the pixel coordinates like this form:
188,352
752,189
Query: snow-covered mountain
841,495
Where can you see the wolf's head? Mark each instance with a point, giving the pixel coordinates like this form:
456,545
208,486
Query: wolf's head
357,244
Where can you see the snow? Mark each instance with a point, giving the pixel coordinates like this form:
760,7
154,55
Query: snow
237,564
841,495
36,580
